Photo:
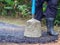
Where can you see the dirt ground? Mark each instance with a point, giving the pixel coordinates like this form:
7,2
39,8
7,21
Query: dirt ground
52,43
22,22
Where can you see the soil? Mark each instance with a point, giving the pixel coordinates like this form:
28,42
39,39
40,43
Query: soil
22,22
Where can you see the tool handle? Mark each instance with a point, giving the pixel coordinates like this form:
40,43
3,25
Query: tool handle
33,8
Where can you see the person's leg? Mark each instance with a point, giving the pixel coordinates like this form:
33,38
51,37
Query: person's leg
50,16
39,10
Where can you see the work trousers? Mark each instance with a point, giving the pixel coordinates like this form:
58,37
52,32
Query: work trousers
51,9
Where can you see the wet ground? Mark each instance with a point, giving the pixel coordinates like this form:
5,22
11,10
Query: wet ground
15,34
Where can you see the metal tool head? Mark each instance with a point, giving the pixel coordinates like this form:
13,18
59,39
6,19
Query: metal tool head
33,28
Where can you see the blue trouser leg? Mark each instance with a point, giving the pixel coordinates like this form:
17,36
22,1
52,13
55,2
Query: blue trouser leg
51,9
50,16
39,9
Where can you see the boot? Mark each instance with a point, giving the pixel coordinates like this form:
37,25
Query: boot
50,27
